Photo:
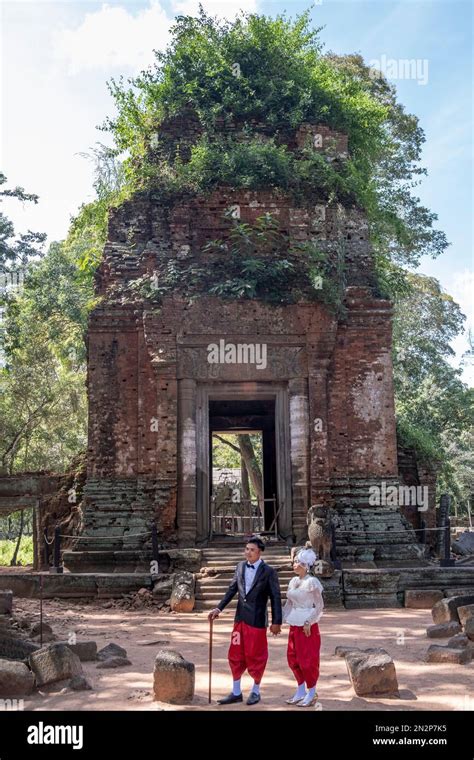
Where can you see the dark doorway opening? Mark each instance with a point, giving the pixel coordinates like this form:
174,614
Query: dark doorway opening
245,498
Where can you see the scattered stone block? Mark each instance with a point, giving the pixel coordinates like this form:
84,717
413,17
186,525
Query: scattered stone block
14,648
341,651
422,599
111,650
452,655
85,650
446,610
464,544
372,674
443,630
182,594
469,628
173,678
114,662
465,612
54,662
79,683
44,639
163,588
6,602
459,641
16,679
36,629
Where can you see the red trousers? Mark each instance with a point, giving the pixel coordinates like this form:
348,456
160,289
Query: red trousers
303,654
248,651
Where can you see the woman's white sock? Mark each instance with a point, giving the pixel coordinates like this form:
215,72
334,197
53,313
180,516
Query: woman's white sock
309,696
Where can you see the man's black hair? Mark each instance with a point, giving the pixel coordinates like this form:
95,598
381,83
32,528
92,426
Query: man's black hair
256,540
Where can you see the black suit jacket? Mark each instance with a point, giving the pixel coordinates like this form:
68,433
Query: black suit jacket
252,607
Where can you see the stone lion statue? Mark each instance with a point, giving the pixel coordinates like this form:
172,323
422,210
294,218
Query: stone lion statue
319,524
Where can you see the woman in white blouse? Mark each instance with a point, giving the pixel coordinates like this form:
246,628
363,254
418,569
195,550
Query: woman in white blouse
302,612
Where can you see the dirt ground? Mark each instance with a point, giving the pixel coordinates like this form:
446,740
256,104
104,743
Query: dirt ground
401,632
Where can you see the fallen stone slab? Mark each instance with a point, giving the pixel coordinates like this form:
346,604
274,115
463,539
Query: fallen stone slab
469,628
15,648
85,650
173,560
46,638
173,678
6,602
16,679
182,594
446,610
54,662
452,655
37,627
114,662
111,650
465,612
464,544
459,641
443,630
79,683
469,590
163,588
372,674
422,599
342,651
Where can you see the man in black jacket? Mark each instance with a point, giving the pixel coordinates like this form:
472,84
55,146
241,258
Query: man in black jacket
256,583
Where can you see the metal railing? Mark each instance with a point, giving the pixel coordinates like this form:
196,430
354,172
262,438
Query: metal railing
240,517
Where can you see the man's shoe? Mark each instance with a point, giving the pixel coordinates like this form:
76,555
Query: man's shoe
253,698
230,699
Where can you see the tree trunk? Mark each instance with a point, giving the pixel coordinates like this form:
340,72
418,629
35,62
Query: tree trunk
248,455
244,475
20,534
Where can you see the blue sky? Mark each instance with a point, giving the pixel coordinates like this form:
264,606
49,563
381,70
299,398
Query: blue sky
57,57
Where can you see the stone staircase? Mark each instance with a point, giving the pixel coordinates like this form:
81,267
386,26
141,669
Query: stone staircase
223,558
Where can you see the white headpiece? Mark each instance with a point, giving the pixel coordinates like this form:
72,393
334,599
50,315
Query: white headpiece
306,557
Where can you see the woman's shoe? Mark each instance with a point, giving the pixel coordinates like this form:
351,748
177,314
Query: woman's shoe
311,702
294,700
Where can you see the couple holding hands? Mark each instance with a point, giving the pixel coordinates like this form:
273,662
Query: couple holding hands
256,582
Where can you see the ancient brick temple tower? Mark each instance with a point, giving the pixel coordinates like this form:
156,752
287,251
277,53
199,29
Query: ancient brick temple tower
324,397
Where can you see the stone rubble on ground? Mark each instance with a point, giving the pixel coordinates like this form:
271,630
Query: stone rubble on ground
173,678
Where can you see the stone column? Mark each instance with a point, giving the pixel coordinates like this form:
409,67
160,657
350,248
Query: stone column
299,454
187,458
320,488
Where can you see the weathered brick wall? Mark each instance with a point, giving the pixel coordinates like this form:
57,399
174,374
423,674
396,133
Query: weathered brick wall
145,360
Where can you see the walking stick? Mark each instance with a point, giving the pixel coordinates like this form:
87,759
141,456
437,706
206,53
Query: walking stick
211,624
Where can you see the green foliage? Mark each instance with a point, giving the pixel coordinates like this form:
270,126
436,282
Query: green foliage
88,231
43,412
267,77
17,250
254,261
25,553
419,440
435,409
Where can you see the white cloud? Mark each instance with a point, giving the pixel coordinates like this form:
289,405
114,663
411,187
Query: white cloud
461,287
222,8
116,38
462,290
113,38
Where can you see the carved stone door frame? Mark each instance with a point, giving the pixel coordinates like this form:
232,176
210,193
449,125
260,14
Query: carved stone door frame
250,391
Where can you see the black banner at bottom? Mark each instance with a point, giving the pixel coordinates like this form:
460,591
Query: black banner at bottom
226,734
